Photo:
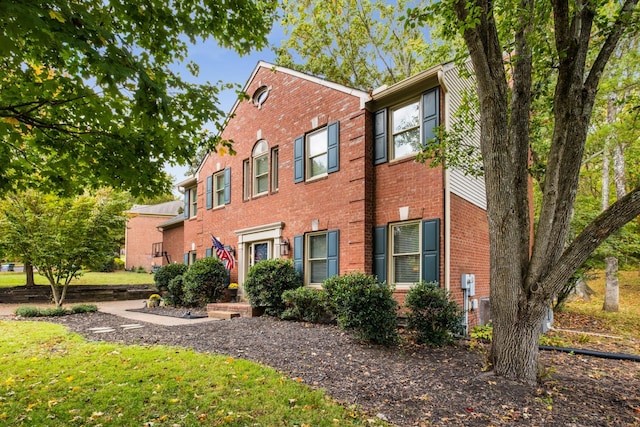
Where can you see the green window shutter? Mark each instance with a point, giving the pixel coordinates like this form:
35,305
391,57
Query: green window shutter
333,253
430,114
431,250
209,191
298,160
186,203
333,147
186,258
380,137
227,186
298,252
208,252
380,253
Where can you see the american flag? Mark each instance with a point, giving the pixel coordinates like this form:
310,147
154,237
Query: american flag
223,254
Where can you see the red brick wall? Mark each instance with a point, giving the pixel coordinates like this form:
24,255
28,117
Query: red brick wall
337,201
469,250
141,233
173,243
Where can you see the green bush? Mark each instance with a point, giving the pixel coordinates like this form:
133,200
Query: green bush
434,318
175,291
166,273
204,282
305,304
27,311
84,308
267,281
365,306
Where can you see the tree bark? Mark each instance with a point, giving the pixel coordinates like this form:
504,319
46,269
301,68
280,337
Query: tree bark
611,297
28,269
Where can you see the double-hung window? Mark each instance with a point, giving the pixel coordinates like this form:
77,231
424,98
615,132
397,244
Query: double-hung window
406,253
403,130
218,189
405,127
193,201
316,256
316,148
260,168
317,153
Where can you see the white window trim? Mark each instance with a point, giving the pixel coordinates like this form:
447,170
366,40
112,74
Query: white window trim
391,263
218,176
193,202
391,142
269,250
308,158
307,259
255,175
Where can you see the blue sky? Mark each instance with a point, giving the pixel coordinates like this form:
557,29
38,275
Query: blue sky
219,64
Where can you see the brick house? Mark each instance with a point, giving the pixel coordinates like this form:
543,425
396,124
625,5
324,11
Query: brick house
143,239
325,175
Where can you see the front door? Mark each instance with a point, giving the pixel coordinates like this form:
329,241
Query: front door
259,251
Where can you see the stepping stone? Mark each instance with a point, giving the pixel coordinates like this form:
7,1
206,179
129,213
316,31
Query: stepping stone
102,330
131,326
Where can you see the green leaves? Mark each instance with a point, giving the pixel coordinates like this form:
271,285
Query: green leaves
87,95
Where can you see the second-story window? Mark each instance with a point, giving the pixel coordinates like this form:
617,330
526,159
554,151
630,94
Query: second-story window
218,189
405,125
193,200
317,153
260,158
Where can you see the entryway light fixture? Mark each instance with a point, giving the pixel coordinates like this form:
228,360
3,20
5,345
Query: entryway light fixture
284,247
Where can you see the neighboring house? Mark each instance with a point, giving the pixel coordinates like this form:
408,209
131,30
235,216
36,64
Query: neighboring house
325,175
144,242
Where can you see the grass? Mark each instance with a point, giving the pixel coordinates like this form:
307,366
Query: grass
10,279
51,377
580,315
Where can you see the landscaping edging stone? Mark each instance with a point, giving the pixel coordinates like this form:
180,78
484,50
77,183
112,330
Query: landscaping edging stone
75,293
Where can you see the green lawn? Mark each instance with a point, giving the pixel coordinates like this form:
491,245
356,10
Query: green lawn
9,279
51,377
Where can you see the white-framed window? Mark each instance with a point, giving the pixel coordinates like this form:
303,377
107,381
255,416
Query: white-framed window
316,259
275,154
246,174
405,253
405,130
260,157
316,150
218,189
193,202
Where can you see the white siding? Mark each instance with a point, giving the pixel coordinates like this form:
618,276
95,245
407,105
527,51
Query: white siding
469,188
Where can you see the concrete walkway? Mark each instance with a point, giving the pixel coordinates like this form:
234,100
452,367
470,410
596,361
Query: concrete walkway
119,308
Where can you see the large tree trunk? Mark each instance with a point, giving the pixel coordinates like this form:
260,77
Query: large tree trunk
525,278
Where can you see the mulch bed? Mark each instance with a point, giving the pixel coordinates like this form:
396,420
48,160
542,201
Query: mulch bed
409,385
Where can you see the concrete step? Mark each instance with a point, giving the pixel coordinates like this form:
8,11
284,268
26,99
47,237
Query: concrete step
217,314
244,308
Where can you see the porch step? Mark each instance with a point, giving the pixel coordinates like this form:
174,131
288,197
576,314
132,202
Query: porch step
243,309
217,314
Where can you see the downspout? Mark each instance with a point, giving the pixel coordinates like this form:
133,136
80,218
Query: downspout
447,194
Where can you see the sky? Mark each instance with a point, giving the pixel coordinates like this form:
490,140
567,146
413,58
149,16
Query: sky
219,64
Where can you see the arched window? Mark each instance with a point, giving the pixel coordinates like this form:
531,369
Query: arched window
260,163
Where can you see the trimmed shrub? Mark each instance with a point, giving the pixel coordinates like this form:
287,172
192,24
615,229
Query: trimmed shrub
166,273
54,312
305,304
267,281
204,281
175,291
84,308
363,305
27,311
433,316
